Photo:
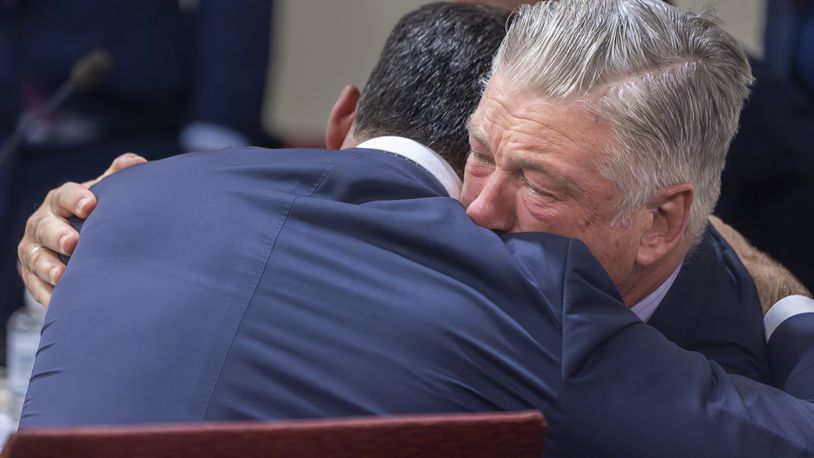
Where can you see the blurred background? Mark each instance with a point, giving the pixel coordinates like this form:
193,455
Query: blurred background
312,68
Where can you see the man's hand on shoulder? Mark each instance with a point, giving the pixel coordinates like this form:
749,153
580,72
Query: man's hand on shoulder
49,234
772,280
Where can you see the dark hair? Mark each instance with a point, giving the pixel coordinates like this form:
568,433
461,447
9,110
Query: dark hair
428,78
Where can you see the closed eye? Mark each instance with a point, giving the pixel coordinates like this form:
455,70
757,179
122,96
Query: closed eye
536,190
481,157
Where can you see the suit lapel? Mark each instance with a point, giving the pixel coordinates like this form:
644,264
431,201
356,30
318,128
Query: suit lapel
682,306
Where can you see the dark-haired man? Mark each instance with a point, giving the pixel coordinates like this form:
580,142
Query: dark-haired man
280,313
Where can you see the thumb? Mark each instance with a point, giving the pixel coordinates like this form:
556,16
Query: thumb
120,163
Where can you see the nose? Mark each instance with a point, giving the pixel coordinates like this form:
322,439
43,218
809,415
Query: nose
494,207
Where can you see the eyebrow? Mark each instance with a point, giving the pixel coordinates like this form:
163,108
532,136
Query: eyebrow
477,135
528,164
523,162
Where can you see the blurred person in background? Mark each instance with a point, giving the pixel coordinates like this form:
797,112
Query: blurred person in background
183,77
789,42
767,186
767,189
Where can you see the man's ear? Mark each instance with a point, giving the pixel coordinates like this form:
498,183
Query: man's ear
669,213
340,122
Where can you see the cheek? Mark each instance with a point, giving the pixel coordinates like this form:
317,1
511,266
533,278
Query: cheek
541,209
539,215
613,249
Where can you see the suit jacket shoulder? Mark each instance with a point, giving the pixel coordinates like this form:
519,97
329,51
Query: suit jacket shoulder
263,284
713,308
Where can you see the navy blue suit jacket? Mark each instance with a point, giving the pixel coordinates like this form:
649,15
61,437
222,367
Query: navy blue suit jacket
713,308
261,284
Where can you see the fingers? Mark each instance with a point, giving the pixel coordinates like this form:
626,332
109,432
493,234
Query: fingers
48,226
730,234
120,163
48,233
40,290
772,281
70,199
55,234
717,222
39,264
124,161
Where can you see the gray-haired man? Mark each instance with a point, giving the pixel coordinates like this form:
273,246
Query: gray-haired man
614,130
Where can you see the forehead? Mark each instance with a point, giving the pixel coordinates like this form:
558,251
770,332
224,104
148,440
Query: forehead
563,140
521,121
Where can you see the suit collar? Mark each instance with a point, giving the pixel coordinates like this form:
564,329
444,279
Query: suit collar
684,302
644,308
421,155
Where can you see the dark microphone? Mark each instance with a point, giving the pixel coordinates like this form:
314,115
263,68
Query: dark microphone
86,74
90,70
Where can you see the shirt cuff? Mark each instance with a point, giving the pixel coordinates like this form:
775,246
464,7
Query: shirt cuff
784,309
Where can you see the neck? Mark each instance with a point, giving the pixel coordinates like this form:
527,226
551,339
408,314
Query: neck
421,155
648,279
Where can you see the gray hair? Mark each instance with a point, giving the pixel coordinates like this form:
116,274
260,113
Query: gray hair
671,85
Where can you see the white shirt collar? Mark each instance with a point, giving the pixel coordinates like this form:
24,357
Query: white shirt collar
421,155
645,308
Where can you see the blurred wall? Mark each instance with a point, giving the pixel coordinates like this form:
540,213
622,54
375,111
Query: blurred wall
742,18
321,45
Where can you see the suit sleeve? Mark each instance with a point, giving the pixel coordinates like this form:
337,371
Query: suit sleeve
631,392
791,349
